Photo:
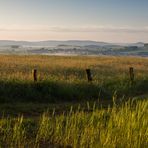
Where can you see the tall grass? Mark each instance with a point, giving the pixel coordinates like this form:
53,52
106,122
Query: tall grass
120,126
12,132
125,126
64,78
70,68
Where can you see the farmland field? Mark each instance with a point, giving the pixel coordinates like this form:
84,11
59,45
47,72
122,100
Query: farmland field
63,109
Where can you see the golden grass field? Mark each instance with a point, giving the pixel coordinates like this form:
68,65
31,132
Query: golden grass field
70,68
100,114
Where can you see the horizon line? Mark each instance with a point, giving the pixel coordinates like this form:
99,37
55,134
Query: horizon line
72,40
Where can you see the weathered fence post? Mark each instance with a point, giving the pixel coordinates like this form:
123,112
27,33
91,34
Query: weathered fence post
89,75
35,75
131,73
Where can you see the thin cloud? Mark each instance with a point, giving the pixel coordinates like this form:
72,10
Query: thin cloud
83,29
100,29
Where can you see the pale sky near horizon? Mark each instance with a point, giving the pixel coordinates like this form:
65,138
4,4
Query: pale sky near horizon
99,20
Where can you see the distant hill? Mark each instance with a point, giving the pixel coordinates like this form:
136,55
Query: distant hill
72,47
52,43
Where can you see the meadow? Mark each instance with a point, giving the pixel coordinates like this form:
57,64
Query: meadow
64,78
63,109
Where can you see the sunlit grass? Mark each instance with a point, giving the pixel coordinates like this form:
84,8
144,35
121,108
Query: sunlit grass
70,68
63,79
120,126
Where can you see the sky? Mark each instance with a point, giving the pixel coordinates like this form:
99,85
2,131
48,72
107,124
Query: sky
100,20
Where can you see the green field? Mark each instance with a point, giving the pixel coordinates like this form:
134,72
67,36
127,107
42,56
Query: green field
63,109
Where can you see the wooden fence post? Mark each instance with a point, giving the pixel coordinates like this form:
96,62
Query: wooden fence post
89,75
131,74
35,75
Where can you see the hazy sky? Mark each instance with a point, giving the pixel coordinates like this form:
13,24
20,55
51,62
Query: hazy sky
100,20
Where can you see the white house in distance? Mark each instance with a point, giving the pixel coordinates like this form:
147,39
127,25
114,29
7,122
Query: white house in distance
146,46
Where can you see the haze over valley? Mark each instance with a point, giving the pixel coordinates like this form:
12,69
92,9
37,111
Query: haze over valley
73,47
